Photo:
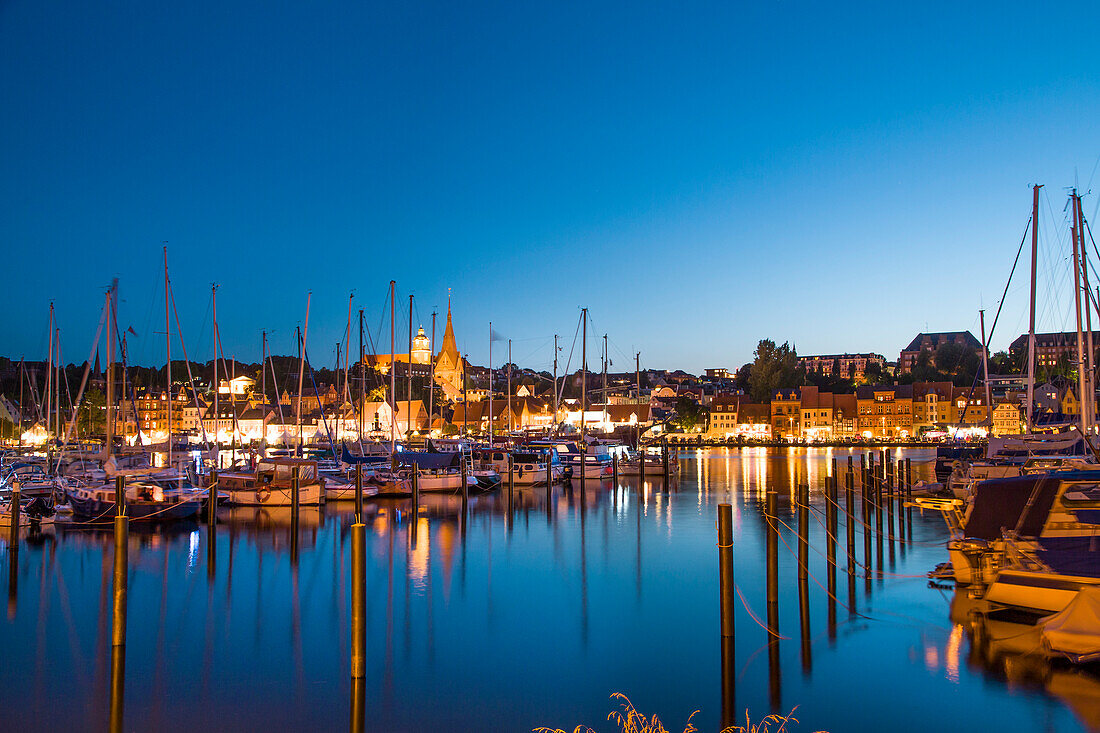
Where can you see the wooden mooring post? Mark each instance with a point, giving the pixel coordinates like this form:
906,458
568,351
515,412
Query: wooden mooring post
727,606
772,549
359,592
803,575
725,569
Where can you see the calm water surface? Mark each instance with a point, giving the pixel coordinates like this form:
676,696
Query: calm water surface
504,623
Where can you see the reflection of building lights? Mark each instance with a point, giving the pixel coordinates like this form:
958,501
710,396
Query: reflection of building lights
193,549
951,654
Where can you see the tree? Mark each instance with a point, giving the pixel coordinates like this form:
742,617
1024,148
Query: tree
93,412
773,367
689,413
742,377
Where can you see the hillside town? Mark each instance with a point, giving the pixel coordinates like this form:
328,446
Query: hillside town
934,390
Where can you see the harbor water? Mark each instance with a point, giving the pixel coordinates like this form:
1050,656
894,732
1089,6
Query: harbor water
498,616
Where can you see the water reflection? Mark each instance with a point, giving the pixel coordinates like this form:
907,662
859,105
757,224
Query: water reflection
543,601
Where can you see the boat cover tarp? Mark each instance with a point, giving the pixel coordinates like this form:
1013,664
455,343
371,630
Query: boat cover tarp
1075,630
1071,555
429,461
998,504
348,457
1037,444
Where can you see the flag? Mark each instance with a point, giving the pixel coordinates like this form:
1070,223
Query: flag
494,336
131,330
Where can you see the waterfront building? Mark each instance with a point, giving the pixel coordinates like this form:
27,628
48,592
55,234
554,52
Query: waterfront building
722,419
845,416
628,415
1051,347
1008,418
786,413
885,411
932,341
849,366
816,414
932,406
972,414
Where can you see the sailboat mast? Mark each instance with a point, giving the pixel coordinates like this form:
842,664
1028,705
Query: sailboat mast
22,374
431,377
409,375
510,423
302,372
604,378
1077,303
584,367
554,422
1090,374
362,376
263,384
490,385
57,385
985,370
393,369
111,306
1031,317
49,373
214,378
347,352
168,354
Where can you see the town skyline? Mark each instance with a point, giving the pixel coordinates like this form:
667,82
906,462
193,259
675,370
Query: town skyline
636,164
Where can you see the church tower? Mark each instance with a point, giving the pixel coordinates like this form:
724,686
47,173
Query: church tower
449,367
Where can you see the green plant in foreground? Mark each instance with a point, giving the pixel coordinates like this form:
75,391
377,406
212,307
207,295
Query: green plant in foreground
629,720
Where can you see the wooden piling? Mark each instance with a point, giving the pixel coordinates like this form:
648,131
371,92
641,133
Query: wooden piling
803,573
359,600
511,477
416,490
803,530
729,684
118,689
118,584
358,493
901,501
295,496
13,537
641,464
464,477
725,569
866,511
358,705
615,470
849,523
13,580
772,546
212,499
774,675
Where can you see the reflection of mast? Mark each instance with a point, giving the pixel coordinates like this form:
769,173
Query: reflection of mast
584,570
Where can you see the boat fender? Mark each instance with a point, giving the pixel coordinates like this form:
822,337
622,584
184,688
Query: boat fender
263,494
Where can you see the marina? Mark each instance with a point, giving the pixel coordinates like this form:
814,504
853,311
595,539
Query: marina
515,617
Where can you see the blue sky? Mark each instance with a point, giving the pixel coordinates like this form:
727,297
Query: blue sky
700,176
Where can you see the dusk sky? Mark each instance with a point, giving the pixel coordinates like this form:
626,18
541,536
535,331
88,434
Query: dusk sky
700,176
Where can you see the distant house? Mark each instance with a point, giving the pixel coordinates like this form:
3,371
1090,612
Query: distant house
932,341
786,412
